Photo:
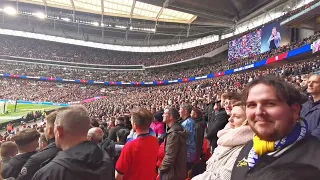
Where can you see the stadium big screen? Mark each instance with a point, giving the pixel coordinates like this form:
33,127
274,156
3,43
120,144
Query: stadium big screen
271,36
274,36
245,46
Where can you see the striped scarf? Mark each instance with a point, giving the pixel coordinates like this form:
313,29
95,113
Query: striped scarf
261,147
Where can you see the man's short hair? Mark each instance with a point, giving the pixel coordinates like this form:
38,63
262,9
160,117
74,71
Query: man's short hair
120,119
26,136
74,120
232,95
51,117
174,113
198,112
142,118
94,122
285,91
123,134
7,149
186,107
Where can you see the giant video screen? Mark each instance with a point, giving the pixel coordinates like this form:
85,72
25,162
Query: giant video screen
274,36
248,45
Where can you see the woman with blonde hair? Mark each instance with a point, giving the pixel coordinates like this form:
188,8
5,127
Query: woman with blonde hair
231,141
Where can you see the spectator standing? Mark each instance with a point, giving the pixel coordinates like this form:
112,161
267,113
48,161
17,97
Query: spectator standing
189,125
45,155
200,126
138,157
173,165
121,141
209,115
27,143
273,113
221,119
113,131
311,109
157,125
79,159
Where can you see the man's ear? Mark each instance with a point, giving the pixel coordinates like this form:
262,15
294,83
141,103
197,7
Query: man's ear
60,131
51,130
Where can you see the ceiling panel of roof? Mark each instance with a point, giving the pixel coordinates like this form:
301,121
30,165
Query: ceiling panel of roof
123,8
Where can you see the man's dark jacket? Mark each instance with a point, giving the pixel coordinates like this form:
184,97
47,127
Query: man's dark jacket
311,113
38,160
306,151
13,167
84,161
221,120
209,113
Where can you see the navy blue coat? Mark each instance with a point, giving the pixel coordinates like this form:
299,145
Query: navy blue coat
311,113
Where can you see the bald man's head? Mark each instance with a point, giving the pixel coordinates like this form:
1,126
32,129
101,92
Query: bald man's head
95,134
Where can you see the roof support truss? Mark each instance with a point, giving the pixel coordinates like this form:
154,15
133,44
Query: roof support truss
74,9
132,8
165,4
45,7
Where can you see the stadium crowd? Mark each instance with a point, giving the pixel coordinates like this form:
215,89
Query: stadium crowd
39,49
31,90
25,47
217,64
209,129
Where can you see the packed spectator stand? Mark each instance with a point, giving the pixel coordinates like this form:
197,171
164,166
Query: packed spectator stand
217,64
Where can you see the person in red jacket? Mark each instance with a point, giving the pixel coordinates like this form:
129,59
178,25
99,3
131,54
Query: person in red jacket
139,157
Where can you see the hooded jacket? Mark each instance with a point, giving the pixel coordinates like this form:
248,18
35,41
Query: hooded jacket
83,162
174,163
38,160
13,167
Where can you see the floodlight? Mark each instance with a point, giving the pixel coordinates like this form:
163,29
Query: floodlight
66,19
10,10
40,15
95,23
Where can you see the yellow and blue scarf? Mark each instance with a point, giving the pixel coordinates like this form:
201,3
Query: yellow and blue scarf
261,147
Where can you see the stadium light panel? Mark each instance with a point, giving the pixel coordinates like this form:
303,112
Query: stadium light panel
66,19
40,15
10,10
95,23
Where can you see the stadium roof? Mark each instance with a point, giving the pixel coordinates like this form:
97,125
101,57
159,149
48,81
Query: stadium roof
120,8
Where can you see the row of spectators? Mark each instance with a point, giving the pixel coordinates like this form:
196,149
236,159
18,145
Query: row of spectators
218,64
39,49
